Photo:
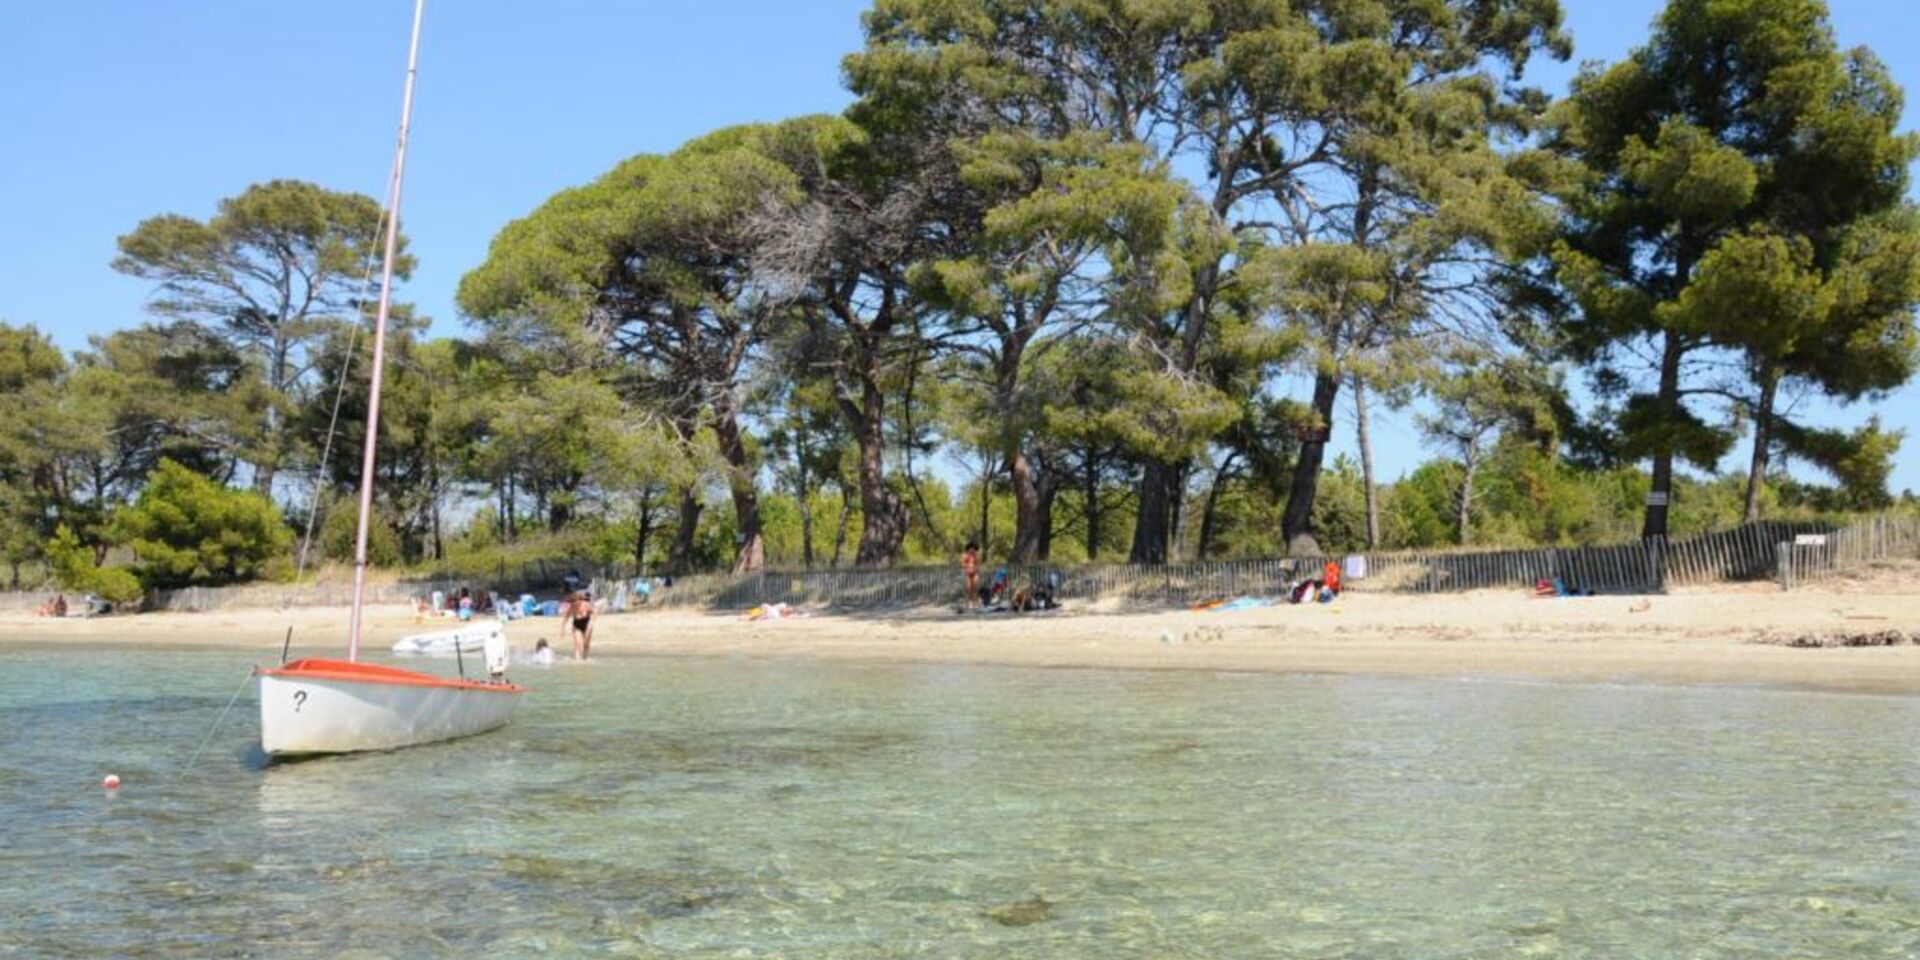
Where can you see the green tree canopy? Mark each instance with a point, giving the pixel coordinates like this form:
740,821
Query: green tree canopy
653,262
268,273
1735,184
186,529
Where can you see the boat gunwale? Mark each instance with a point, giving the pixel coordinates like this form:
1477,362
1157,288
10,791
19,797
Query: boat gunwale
348,671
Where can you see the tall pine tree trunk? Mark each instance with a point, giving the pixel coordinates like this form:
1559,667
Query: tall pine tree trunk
680,557
1668,398
1177,509
1210,512
1153,529
1296,524
885,514
643,530
1090,489
433,481
806,526
510,501
752,554
1463,526
1366,462
1029,521
1762,442
1043,523
266,467
840,531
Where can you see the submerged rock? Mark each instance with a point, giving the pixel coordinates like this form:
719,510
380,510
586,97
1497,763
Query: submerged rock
1020,913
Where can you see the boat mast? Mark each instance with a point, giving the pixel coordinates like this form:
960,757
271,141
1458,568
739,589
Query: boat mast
380,339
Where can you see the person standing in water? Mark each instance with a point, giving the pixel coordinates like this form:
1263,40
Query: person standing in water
576,621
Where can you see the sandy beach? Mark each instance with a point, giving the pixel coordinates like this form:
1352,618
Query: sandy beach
1702,637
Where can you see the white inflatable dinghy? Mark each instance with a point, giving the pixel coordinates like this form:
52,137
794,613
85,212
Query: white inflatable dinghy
471,638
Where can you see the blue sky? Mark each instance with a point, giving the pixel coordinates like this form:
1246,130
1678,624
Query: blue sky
111,112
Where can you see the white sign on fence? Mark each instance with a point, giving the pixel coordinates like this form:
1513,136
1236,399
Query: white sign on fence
1810,540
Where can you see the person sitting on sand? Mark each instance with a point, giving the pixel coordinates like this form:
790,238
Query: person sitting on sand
56,607
1330,583
576,621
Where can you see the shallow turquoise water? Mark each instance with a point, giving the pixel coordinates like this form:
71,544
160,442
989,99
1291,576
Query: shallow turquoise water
660,807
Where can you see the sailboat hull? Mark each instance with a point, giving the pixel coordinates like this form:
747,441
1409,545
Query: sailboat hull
337,706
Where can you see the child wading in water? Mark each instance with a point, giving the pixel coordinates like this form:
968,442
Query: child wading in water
576,620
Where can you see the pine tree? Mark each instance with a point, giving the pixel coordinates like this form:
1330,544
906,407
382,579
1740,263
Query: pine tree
1735,185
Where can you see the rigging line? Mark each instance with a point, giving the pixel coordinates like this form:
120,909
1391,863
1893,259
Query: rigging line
222,718
339,394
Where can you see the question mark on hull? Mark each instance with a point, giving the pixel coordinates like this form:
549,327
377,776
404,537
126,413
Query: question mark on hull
299,700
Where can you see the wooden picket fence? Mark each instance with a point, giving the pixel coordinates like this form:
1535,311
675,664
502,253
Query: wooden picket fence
542,578
1823,556
1747,552
258,595
1766,550
25,599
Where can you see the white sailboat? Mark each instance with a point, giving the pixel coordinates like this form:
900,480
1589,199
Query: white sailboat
317,706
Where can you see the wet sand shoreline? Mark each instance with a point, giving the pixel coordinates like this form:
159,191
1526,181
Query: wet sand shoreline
1702,637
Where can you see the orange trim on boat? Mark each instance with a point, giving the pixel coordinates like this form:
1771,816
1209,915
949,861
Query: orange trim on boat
354,672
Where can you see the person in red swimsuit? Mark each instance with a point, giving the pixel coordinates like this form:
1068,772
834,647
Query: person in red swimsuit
970,568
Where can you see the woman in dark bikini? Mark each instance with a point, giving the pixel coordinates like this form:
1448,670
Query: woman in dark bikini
576,620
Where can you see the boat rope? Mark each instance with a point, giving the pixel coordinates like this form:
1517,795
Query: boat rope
217,721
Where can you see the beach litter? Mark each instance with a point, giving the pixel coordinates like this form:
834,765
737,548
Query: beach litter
1237,603
774,611
1196,635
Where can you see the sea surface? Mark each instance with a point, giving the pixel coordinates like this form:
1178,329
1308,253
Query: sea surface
643,807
